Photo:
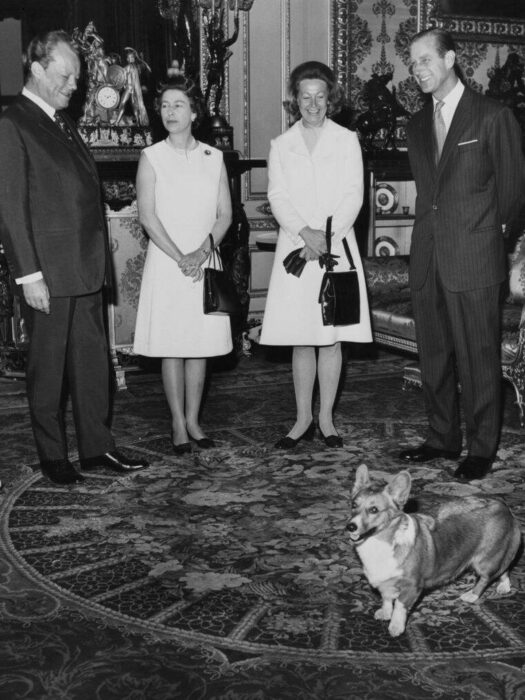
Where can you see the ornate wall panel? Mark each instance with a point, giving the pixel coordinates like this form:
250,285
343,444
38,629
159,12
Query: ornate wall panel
375,36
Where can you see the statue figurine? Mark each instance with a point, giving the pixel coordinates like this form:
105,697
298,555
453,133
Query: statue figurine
218,47
132,92
383,111
91,46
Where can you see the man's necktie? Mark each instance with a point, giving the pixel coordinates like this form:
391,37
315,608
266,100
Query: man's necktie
440,130
59,119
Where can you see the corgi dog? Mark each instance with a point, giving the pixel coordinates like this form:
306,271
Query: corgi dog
403,554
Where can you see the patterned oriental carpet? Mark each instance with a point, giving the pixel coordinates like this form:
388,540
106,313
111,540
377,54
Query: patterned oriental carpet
226,574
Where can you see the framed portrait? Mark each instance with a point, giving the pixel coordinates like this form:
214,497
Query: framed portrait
493,21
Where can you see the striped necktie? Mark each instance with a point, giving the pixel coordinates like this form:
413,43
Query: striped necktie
440,130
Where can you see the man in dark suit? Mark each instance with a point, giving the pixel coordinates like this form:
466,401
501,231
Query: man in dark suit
53,231
466,157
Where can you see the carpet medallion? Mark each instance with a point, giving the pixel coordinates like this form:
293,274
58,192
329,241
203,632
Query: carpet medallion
237,557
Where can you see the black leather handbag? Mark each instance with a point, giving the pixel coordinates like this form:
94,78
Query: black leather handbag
220,296
339,294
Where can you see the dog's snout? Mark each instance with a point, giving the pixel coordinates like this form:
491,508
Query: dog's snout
351,527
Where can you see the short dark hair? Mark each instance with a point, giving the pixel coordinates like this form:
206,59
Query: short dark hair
444,40
40,48
313,70
190,88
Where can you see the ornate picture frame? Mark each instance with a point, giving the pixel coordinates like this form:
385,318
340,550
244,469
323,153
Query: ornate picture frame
475,21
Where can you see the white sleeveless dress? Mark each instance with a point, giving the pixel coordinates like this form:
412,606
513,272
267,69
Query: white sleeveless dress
170,318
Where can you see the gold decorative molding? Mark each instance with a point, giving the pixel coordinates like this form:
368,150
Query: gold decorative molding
340,19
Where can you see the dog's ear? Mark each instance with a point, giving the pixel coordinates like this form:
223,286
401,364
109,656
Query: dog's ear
398,488
361,478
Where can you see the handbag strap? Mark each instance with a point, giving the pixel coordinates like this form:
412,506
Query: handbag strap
215,259
330,263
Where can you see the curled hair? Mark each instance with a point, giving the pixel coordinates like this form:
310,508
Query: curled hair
41,47
187,86
313,70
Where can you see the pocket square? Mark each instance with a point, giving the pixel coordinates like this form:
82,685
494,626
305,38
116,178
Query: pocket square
464,143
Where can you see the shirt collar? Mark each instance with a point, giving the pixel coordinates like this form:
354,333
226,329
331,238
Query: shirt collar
50,111
452,99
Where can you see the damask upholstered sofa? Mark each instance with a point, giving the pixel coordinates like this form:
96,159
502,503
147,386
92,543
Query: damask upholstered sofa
394,327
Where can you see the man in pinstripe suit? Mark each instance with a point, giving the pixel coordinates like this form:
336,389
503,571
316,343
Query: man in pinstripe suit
466,157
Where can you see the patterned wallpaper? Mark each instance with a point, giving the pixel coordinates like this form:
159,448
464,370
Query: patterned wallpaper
379,35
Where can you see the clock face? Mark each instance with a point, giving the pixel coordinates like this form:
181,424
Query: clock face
107,97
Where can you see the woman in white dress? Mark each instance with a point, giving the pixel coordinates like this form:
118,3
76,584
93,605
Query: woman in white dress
182,196
315,171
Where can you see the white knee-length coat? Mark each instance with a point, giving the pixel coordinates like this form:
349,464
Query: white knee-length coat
304,189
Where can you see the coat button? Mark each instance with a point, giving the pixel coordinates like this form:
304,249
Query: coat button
434,207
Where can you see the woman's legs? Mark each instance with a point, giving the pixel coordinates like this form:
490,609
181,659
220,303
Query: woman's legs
195,375
329,369
173,383
183,381
304,368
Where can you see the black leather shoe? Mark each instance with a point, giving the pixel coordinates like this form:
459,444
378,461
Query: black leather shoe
287,443
473,468
424,453
331,440
60,471
181,449
113,460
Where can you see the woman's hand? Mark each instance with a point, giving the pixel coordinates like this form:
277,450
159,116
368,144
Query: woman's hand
191,264
315,241
308,254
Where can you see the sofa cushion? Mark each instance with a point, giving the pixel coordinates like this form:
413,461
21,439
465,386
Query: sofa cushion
395,319
387,279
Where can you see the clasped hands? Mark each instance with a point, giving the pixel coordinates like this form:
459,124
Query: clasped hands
191,264
314,243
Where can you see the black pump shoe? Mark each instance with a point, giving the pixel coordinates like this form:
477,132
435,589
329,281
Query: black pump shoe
286,443
181,449
331,440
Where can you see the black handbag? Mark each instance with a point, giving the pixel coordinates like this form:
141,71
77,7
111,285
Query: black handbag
339,294
220,296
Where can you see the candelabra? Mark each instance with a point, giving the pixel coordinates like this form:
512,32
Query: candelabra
217,53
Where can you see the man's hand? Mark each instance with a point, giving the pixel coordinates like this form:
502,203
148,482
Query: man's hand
36,295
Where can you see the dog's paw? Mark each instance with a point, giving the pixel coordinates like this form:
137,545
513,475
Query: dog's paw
469,597
503,585
396,628
383,614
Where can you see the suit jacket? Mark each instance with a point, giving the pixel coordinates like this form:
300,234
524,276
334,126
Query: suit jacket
51,216
462,204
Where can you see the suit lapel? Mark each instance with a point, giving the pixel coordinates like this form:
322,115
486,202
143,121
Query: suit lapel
51,130
428,135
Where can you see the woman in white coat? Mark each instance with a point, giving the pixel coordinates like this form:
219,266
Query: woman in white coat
315,171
